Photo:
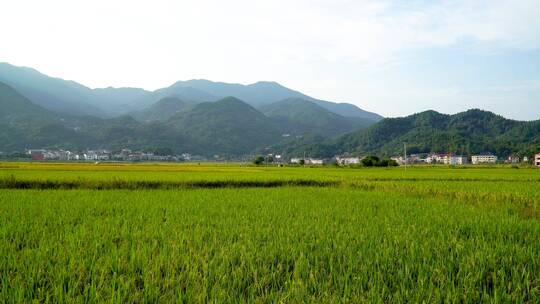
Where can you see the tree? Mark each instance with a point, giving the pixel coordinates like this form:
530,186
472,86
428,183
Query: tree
374,161
259,160
387,163
161,151
370,161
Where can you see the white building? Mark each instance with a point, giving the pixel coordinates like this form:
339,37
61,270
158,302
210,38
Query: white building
446,159
307,161
347,161
485,158
513,159
431,159
537,160
296,160
97,155
410,160
90,155
455,160
314,161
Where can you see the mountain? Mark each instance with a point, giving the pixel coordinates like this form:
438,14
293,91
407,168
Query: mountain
259,94
116,101
232,127
69,97
255,94
54,94
469,132
300,116
14,106
187,94
42,111
348,110
227,126
163,109
24,124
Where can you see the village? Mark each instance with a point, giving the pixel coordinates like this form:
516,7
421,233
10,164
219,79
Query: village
450,159
103,155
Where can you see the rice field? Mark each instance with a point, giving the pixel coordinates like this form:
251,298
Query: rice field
232,233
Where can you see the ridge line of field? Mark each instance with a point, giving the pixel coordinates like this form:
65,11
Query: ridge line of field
12,182
526,204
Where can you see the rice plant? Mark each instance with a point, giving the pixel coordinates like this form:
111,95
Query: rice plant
166,233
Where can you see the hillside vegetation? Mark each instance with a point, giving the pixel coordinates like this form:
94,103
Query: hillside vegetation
226,126
469,132
209,118
299,116
163,109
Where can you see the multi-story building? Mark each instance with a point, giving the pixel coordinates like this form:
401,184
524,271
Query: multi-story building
513,159
484,158
296,160
455,160
347,161
435,158
314,161
37,154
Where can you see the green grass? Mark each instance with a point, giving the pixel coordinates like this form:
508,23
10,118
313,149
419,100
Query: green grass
377,235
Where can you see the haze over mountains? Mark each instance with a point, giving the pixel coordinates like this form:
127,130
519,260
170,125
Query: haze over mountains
197,116
214,118
73,98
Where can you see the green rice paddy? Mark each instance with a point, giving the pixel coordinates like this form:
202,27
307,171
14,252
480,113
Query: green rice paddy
230,233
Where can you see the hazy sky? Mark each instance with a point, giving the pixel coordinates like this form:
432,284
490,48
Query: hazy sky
391,57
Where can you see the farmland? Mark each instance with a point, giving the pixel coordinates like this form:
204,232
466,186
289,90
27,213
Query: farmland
232,233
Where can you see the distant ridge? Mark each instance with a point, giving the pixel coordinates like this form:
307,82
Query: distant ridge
228,126
300,116
469,132
13,105
232,127
265,92
163,109
69,97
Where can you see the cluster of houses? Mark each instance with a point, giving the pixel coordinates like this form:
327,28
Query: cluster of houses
103,155
456,160
129,155
446,159
307,161
479,159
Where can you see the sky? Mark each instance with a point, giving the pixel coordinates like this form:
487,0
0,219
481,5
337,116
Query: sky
394,57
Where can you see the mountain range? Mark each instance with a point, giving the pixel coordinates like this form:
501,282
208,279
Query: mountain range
214,118
467,133
197,116
69,97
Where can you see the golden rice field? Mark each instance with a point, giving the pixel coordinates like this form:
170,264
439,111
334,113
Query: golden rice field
228,233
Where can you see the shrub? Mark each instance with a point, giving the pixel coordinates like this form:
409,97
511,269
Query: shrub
259,160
